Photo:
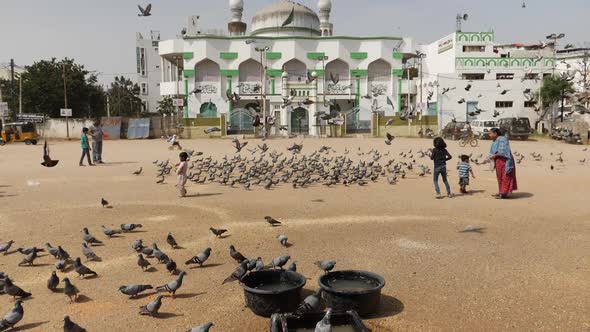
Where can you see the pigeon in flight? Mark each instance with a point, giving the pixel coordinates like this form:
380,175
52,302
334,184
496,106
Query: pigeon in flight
47,161
239,146
468,87
211,130
335,78
138,172
145,12
389,138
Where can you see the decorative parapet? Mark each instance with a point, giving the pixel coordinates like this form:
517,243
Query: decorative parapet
475,37
481,62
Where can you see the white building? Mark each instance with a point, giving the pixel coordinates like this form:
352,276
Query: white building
575,62
469,76
148,70
304,57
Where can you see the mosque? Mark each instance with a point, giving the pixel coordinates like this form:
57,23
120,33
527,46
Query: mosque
291,67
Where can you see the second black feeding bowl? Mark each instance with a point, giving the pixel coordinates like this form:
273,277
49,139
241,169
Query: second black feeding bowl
352,290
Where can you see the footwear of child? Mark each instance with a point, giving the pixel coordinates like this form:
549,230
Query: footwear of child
450,195
438,196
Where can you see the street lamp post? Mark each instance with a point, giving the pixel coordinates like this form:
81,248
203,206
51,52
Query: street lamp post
262,51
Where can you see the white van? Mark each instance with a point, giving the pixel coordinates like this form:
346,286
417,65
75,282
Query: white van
481,128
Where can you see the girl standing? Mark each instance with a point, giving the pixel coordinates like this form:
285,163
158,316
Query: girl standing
440,156
181,169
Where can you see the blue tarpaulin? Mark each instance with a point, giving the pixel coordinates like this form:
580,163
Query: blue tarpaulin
138,128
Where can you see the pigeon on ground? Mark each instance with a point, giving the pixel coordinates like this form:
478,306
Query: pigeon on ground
211,130
62,254
89,238
236,255
201,328
171,241
30,258
279,261
200,258
13,290
104,202
53,251
110,232
312,303
129,227
134,290
142,262
217,231
159,254
324,325
283,240
138,172
82,269
61,265
90,255
171,266
70,326
137,244
53,282
272,221
238,273
326,266
70,290
4,247
173,285
292,267
151,308
13,316
389,138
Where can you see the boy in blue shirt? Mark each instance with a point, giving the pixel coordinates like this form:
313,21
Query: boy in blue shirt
85,147
464,169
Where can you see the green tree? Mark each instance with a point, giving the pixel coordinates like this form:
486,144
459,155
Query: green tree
8,93
554,89
124,98
43,89
166,106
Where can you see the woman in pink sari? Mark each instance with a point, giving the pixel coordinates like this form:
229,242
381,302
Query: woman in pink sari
502,159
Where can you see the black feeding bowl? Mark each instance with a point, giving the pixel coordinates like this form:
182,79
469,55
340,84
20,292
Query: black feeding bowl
352,290
272,291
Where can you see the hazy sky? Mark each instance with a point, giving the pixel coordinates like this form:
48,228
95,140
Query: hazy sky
101,33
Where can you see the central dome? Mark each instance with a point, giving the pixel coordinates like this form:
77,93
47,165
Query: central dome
268,21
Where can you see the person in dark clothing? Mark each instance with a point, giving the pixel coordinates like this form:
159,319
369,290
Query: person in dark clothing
440,156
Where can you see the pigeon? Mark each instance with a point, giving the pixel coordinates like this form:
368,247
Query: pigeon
259,264
468,87
104,202
13,316
138,172
90,255
326,266
389,138
173,285
53,251
312,303
292,267
236,255
295,148
171,241
160,180
82,269
217,232
137,244
62,254
13,290
29,250
47,161
61,265
145,12
504,92
89,238
142,262
110,232
171,266
200,258
160,255
211,130
238,273
324,325
4,247
134,290
70,326
461,101
389,123
279,261
283,240
151,308
335,78
202,328
30,258
70,290
239,146
129,227
272,221
53,282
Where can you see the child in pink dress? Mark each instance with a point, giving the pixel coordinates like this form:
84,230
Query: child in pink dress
181,169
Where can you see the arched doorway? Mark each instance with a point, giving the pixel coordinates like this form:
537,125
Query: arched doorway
300,121
208,110
296,69
241,121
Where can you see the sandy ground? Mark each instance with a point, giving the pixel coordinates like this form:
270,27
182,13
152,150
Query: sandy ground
528,270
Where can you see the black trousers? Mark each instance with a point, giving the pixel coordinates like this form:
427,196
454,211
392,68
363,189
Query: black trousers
85,152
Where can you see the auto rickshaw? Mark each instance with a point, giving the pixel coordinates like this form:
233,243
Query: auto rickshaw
19,132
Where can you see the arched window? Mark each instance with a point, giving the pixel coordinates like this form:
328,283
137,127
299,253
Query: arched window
207,71
379,71
296,69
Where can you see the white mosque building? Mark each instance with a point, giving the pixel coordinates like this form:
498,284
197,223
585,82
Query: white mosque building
290,52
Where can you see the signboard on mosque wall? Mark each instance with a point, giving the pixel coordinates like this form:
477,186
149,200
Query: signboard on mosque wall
445,44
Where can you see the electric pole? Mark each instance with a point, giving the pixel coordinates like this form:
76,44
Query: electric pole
63,75
12,90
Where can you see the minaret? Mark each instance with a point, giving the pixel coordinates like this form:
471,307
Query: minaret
236,27
325,7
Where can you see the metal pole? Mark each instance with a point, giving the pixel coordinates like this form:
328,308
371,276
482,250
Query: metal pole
12,111
63,74
421,102
20,95
108,106
562,103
